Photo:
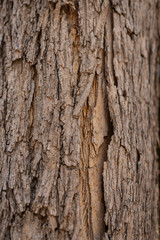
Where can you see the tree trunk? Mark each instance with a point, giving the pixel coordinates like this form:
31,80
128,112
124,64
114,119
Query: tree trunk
79,119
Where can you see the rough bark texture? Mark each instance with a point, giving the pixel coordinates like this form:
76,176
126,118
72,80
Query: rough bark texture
79,119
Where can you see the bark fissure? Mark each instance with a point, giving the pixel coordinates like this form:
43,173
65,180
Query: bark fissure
112,42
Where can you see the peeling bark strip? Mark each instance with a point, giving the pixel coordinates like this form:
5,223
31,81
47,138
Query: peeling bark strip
78,119
94,142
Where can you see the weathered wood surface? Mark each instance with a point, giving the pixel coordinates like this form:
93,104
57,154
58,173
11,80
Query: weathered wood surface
79,121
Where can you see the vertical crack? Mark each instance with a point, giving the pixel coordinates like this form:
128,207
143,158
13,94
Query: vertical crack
110,131
58,80
112,42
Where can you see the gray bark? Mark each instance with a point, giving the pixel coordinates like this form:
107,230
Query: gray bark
79,119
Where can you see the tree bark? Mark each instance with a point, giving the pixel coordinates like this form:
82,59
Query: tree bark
79,119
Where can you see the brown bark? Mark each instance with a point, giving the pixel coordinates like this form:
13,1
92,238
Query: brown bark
79,119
